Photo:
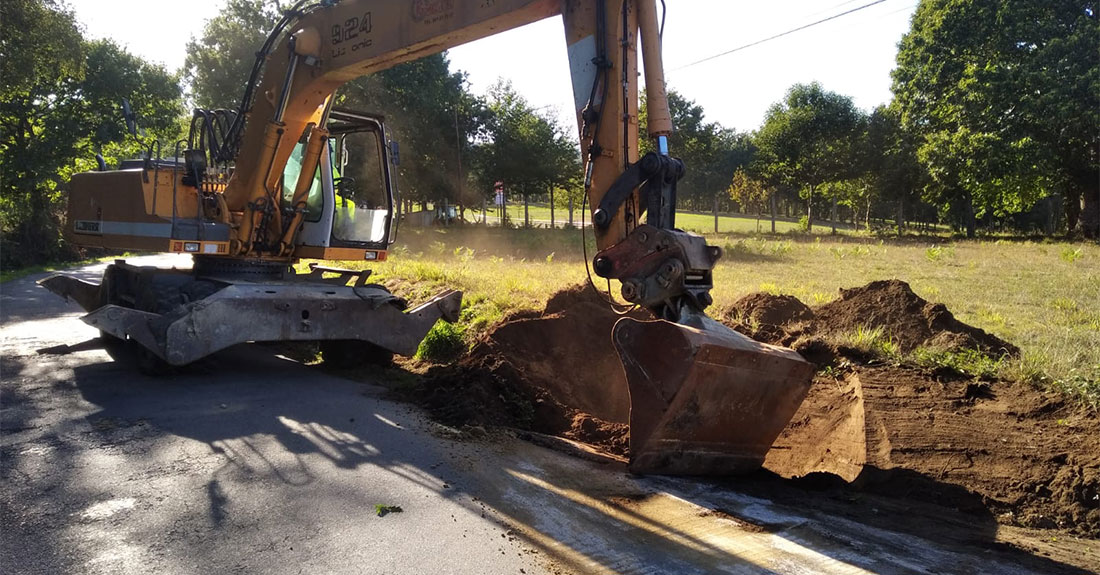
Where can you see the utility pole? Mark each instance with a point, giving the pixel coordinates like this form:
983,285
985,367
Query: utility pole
458,151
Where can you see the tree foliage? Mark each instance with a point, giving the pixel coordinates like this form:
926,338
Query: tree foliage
890,160
59,106
528,152
809,139
219,62
710,152
1005,97
750,193
430,111
427,107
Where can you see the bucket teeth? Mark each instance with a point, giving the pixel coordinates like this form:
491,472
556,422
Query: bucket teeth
705,401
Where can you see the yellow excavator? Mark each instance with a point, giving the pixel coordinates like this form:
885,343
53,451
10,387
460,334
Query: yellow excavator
287,176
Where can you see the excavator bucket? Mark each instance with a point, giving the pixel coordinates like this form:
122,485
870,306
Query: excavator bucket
705,400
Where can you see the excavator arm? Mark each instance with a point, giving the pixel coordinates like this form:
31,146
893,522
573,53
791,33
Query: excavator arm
323,46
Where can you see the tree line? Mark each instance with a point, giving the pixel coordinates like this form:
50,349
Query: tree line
994,124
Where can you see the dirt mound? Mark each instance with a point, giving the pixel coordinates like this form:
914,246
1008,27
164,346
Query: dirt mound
1028,458
556,372
905,318
905,433
937,437
767,309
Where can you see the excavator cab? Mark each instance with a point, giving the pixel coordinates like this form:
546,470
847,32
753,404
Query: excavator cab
350,204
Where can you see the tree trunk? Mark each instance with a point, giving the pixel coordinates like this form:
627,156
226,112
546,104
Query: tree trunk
570,210
552,225
810,211
484,211
715,213
833,214
1090,211
772,202
526,214
970,219
1072,205
899,219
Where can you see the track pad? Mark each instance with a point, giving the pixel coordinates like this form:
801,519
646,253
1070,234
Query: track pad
705,401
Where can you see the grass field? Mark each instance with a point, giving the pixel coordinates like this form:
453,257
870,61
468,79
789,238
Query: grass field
1041,296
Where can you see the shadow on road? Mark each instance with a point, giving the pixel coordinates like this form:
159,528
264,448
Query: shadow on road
268,419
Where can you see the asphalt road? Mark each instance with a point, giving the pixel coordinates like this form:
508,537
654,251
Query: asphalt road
252,463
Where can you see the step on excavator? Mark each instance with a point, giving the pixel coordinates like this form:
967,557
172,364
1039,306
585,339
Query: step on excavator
287,176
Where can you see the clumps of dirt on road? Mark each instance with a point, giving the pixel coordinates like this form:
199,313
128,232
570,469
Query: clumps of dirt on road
926,437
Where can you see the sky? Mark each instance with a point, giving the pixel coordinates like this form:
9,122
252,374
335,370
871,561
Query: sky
850,55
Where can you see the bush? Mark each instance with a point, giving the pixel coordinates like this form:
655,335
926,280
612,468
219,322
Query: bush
804,224
445,342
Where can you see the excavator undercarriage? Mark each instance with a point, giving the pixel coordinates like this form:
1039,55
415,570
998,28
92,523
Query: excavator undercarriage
177,317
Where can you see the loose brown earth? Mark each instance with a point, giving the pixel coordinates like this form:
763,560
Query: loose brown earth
918,436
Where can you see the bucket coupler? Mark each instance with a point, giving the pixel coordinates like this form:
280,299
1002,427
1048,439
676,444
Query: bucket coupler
293,310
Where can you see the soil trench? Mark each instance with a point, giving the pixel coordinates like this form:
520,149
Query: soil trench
933,436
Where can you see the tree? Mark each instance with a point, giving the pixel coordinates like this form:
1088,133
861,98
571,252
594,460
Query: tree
428,108
890,158
41,61
807,139
751,194
530,153
219,62
1005,97
59,106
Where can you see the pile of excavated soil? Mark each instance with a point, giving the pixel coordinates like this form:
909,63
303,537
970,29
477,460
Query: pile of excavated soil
903,432
903,317
554,372
906,318
1028,458
938,437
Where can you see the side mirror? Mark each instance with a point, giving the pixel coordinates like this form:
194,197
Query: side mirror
128,115
395,153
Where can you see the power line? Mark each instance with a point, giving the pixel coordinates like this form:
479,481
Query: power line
910,7
831,8
780,35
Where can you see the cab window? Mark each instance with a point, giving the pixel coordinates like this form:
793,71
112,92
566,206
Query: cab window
314,200
362,202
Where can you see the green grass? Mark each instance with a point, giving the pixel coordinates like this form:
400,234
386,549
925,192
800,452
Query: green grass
1029,293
